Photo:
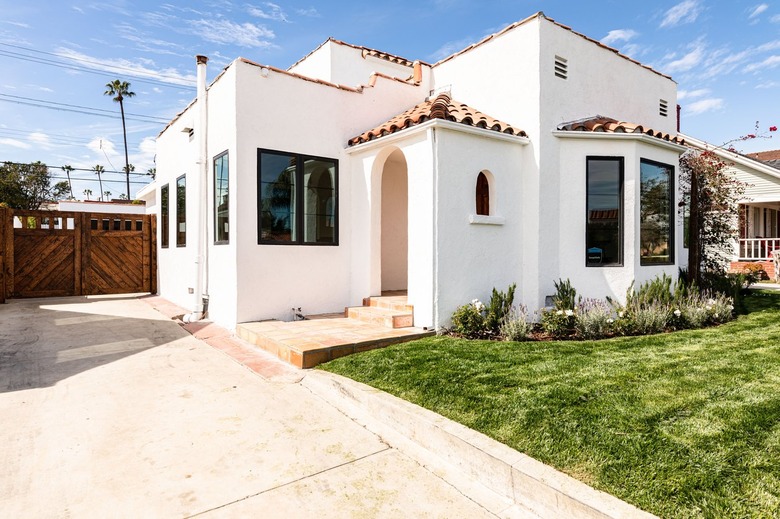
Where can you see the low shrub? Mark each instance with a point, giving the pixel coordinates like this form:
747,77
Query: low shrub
516,326
498,308
755,272
565,297
558,324
468,321
594,319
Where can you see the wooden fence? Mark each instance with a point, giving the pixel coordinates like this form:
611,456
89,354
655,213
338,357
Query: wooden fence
56,253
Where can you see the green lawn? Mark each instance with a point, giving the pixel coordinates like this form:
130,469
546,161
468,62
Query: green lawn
685,424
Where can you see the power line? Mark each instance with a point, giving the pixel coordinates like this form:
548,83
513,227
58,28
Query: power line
127,71
55,177
75,169
98,111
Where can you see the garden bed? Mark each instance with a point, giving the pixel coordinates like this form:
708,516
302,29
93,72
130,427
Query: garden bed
684,424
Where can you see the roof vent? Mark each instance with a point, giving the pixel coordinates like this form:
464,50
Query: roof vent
561,67
663,108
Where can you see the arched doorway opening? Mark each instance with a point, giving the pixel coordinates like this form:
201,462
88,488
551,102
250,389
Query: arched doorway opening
395,223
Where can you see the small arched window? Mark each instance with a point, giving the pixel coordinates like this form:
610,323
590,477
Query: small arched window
483,195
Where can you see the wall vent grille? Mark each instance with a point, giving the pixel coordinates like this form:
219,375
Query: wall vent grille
561,67
663,108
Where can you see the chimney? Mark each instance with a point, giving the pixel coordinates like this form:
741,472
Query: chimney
417,72
201,133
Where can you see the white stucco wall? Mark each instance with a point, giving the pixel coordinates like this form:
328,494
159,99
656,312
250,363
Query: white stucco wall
274,278
100,207
476,253
346,65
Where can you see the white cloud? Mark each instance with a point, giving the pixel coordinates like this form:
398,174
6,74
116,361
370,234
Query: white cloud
451,47
684,12
125,66
771,45
272,12
18,24
101,145
157,90
227,32
757,10
618,35
768,84
39,138
768,63
311,12
705,105
775,19
688,94
15,144
689,60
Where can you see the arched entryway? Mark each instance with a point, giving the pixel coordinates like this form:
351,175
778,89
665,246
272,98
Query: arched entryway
395,223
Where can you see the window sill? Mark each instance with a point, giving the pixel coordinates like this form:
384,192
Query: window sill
481,219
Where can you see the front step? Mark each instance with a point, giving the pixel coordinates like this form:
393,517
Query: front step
382,316
389,311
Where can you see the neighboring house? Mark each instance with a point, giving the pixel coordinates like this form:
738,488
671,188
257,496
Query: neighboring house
759,219
357,172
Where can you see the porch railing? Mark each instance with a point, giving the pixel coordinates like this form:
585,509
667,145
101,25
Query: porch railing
758,248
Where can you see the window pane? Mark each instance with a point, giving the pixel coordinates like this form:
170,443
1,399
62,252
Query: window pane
181,211
319,216
483,195
656,218
277,197
221,226
164,223
604,234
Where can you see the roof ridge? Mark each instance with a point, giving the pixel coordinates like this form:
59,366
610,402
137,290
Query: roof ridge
540,14
441,107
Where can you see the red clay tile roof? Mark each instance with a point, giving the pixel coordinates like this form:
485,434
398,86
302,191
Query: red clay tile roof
442,107
607,125
765,156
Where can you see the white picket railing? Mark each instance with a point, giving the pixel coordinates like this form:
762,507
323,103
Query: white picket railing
758,248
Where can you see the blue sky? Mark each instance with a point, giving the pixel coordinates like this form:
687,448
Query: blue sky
724,55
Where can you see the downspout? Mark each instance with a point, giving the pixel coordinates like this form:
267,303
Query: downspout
435,150
201,237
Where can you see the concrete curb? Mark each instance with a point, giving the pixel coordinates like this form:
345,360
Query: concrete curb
526,484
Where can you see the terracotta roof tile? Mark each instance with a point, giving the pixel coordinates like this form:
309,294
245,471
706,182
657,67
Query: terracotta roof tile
765,156
608,125
442,107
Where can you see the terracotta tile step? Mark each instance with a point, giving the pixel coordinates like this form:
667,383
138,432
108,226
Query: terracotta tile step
382,316
305,347
398,303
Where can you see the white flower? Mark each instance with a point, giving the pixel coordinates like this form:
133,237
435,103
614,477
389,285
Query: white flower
731,307
610,321
677,313
569,313
559,312
474,302
620,314
708,308
479,306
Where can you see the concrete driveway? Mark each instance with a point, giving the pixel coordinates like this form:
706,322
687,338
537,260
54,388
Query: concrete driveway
110,409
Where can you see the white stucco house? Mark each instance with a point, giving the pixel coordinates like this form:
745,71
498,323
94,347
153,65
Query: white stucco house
759,217
536,154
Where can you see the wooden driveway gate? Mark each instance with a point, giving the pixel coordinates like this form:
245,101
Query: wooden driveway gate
56,253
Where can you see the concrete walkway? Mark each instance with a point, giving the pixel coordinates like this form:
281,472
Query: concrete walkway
110,409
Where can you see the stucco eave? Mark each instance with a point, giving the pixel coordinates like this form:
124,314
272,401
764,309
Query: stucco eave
437,123
646,139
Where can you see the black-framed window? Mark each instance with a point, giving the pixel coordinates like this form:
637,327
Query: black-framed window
604,211
164,217
221,201
297,199
656,213
181,211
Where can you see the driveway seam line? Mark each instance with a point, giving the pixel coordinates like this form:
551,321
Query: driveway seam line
387,448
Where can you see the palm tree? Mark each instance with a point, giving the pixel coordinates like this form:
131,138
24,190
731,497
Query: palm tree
87,192
121,89
67,169
152,172
99,169
108,195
